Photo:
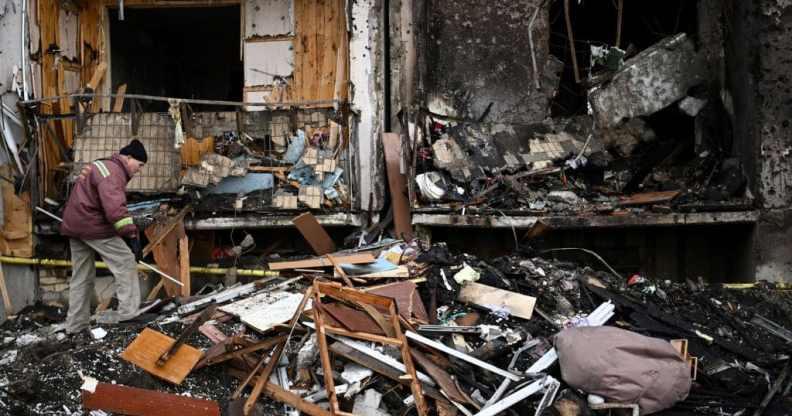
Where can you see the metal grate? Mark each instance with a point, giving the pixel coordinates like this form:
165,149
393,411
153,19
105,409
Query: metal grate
106,133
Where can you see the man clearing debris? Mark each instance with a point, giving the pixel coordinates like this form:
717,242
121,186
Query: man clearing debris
95,219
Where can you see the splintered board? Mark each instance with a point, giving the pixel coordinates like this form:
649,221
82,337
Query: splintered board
518,305
150,345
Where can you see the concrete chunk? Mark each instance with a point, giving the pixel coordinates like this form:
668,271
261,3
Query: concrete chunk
650,81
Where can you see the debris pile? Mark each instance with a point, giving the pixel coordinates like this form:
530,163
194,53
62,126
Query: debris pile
398,328
645,144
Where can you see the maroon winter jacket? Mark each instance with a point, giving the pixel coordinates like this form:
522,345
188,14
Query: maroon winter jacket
97,204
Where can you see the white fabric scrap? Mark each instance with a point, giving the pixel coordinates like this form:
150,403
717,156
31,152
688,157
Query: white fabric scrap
467,274
89,384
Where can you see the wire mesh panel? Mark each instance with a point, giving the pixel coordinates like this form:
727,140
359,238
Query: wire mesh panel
106,133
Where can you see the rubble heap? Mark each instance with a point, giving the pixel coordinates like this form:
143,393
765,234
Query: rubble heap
398,328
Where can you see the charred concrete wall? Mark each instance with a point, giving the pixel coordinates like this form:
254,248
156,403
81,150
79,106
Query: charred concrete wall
760,85
478,54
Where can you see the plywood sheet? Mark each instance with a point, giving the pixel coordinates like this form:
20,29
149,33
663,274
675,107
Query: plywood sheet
149,345
268,18
319,31
517,304
266,60
193,150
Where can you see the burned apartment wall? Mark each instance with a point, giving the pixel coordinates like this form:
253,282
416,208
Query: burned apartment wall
368,97
759,46
489,61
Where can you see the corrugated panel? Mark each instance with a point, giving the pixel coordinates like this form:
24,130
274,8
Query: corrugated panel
107,133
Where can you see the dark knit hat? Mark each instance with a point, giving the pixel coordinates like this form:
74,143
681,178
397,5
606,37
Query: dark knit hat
136,150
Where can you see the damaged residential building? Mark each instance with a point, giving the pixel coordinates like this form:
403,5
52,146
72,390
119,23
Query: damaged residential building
371,140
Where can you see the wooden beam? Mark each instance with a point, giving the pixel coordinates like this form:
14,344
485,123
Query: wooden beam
184,265
9,307
324,353
398,186
118,104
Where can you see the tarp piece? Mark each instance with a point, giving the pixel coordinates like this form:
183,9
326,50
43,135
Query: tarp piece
623,367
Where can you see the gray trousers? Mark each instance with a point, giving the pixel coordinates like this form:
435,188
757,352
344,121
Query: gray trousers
122,264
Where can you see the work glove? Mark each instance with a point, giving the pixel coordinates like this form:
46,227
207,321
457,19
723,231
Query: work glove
134,245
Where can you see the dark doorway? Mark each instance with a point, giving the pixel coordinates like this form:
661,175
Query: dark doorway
177,52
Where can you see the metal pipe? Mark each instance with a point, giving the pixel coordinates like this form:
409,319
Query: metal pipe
21,261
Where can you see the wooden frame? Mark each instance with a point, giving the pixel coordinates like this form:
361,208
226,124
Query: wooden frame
366,301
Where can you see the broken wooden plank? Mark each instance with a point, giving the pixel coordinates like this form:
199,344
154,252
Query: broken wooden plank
358,357
166,253
398,186
165,231
263,345
359,258
442,378
118,104
147,348
210,331
314,234
408,301
97,76
141,402
647,198
339,270
517,304
284,396
263,377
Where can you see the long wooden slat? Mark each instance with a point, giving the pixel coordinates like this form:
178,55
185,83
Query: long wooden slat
141,402
415,384
324,353
184,265
359,258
